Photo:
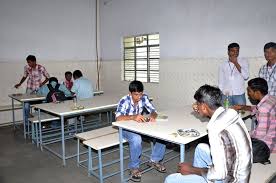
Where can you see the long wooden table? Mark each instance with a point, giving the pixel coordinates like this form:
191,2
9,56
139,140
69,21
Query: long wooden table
64,110
166,130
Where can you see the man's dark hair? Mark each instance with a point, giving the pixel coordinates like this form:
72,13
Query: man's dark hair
258,84
233,45
136,86
77,74
269,45
209,95
53,79
68,73
31,58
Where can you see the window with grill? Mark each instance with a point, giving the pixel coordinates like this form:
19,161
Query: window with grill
141,58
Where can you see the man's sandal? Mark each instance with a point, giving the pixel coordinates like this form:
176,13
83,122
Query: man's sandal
157,166
135,175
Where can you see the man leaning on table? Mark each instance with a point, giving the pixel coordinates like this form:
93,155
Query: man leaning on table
130,107
34,72
228,158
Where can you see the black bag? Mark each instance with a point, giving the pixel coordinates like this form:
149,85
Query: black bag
55,94
261,151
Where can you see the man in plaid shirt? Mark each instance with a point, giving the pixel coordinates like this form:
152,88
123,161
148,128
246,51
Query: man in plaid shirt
268,71
34,72
265,112
131,107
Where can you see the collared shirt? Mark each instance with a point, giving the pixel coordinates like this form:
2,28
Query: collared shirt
266,116
68,84
35,76
269,74
230,146
126,106
44,90
83,88
230,79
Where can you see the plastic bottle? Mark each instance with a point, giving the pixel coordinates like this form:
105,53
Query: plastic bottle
226,101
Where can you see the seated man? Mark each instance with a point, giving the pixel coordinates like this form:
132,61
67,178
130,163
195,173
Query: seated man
53,81
228,158
45,90
130,107
82,87
265,112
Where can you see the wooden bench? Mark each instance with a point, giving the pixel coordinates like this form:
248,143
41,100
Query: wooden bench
263,173
91,135
36,127
9,107
99,144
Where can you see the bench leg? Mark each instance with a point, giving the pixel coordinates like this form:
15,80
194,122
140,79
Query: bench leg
33,133
90,161
36,135
78,152
40,130
100,166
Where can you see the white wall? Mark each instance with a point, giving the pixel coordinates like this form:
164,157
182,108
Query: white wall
189,28
50,29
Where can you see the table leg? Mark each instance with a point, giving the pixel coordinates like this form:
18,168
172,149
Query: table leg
182,153
121,154
62,140
13,115
24,117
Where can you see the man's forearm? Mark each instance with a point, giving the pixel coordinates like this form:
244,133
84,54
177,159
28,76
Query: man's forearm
22,80
45,81
125,117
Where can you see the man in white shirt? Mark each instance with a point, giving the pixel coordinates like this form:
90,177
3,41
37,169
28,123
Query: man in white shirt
228,158
232,76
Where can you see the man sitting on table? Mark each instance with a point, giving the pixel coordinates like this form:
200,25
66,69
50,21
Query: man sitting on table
130,107
228,158
265,112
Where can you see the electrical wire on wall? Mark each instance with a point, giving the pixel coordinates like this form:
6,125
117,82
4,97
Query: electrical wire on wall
98,60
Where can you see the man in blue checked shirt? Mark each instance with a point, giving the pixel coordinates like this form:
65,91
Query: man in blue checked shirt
131,107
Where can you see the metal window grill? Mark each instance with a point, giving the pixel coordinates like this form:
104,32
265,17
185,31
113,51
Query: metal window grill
141,58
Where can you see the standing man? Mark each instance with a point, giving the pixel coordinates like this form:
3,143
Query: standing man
130,107
232,76
268,71
228,158
35,72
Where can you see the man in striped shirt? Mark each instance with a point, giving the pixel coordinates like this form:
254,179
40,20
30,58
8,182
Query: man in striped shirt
268,71
265,112
131,107
228,158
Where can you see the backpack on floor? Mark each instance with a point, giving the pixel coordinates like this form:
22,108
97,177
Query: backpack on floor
261,151
55,94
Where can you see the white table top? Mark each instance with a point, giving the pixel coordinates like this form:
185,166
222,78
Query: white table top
23,97
182,118
100,102
26,97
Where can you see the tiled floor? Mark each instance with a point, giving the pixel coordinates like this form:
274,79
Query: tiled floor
23,162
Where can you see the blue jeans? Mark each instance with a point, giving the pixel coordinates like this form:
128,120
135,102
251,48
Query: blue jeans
26,112
235,99
202,159
135,148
